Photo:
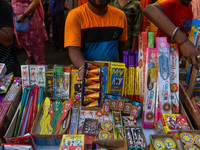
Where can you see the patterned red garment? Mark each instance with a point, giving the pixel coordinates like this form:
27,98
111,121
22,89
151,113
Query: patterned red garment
32,41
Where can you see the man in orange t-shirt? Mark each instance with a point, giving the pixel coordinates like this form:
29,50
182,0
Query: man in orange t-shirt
95,31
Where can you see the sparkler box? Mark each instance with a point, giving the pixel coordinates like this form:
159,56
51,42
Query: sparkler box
164,75
25,76
117,75
41,74
174,78
33,75
150,81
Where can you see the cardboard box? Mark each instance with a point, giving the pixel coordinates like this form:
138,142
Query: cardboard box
162,137
47,139
143,136
183,112
116,144
13,107
189,106
192,132
8,137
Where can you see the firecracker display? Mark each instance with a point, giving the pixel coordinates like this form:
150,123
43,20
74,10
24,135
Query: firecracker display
150,101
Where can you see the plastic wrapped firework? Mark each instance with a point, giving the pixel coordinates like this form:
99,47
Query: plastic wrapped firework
125,60
93,87
95,95
174,78
93,104
131,75
136,87
150,88
94,79
164,74
88,82
96,71
90,66
88,100
88,91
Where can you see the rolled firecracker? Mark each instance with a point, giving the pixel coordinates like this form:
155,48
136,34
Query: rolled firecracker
95,95
87,91
90,66
95,78
88,100
93,104
96,71
93,87
89,75
88,82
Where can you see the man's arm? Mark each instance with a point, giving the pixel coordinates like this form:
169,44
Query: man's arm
77,58
32,7
6,36
121,49
135,43
155,14
67,5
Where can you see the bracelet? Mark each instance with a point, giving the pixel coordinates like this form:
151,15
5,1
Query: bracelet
182,42
174,33
25,15
80,68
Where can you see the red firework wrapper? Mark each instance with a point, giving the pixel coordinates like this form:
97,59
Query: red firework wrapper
89,82
93,87
88,91
88,100
94,79
90,66
93,104
95,95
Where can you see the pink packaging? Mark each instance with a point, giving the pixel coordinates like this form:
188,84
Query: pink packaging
174,78
150,88
164,75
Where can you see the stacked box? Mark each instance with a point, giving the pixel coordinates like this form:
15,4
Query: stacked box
150,88
33,75
174,78
25,76
164,75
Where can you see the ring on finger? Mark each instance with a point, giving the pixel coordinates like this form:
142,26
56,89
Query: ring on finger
198,56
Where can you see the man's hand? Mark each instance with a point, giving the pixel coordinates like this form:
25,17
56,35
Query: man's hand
77,58
190,52
80,73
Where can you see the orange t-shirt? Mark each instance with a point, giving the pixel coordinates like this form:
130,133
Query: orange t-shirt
98,36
